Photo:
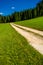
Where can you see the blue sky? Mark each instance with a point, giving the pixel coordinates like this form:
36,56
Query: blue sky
7,7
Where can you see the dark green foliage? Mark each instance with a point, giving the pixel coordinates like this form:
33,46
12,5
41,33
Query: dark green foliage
24,15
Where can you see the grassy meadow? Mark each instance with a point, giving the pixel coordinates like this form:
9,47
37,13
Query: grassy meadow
36,23
15,50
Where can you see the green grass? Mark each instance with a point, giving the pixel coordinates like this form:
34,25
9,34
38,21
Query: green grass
36,23
15,50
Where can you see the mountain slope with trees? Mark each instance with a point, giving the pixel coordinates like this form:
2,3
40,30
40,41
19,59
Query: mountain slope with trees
24,15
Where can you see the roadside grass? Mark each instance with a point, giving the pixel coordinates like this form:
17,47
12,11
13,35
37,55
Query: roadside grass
36,23
15,50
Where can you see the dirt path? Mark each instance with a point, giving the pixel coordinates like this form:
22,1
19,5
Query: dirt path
35,40
31,30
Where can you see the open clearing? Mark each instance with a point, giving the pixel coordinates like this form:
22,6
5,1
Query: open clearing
36,23
15,50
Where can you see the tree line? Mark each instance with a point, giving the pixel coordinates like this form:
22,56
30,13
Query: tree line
24,15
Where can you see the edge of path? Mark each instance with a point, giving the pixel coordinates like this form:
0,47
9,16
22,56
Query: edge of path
30,38
38,32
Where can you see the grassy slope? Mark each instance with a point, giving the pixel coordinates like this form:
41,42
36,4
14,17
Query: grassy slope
36,23
15,50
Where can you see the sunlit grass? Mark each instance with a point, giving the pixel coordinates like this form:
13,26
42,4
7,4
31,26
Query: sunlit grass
36,23
15,50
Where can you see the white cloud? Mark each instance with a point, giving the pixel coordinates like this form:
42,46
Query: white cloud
12,7
1,13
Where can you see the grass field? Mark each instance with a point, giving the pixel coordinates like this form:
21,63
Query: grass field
36,23
15,50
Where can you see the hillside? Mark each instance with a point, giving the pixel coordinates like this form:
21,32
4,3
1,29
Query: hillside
36,23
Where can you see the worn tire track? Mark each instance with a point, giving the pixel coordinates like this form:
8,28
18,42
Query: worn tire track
34,40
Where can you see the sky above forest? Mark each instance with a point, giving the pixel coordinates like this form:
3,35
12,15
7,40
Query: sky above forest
7,7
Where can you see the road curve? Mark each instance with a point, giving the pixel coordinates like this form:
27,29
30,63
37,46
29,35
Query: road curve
34,40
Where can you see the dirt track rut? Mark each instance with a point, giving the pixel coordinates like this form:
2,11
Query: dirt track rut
34,40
